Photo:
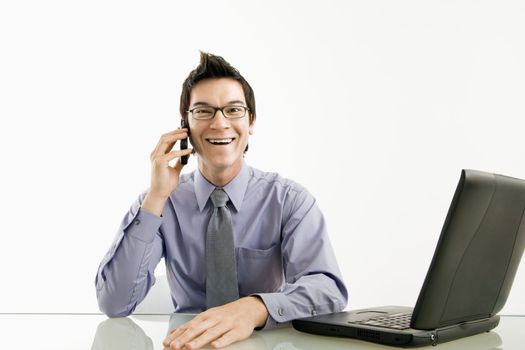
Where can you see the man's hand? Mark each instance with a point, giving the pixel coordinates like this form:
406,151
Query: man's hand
164,178
220,325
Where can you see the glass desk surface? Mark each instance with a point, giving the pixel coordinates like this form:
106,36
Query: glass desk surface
146,332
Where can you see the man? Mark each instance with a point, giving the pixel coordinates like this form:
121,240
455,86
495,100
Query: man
245,248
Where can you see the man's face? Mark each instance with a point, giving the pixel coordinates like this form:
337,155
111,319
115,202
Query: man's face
219,142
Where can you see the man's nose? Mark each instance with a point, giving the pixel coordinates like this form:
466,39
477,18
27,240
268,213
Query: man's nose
219,120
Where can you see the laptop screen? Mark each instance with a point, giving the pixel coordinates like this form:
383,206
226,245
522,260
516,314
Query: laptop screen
477,254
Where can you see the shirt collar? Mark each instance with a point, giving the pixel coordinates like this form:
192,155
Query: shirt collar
235,189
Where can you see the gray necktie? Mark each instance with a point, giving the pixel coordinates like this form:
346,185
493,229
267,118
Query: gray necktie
221,271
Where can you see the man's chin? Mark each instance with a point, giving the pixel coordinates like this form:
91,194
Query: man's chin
220,164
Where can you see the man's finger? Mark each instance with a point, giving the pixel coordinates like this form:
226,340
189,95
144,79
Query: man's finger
174,154
172,335
167,141
226,339
176,332
163,160
167,341
208,336
192,331
175,132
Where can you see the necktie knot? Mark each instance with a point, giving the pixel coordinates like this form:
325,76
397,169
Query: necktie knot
219,198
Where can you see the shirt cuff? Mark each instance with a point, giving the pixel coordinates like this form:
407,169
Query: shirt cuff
277,306
273,324
279,309
282,310
144,226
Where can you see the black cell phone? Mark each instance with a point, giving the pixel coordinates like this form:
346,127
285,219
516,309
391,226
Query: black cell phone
184,143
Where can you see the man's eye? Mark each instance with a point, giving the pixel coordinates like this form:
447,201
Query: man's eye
234,109
201,111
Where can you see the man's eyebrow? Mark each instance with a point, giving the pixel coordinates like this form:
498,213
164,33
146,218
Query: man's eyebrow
234,102
200,104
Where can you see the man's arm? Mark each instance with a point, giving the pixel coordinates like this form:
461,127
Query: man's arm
126,273
313,281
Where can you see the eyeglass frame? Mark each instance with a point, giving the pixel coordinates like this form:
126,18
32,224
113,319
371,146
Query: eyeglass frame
215,109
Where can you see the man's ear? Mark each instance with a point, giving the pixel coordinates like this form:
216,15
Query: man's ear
250,129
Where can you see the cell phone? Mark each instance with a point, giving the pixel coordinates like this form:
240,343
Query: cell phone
183,143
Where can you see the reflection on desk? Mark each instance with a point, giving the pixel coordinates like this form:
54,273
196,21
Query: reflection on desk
124,333
79,331
120,333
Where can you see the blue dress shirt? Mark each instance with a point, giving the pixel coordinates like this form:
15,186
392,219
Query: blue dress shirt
282,249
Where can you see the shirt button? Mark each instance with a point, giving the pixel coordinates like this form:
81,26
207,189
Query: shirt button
137,221
280,311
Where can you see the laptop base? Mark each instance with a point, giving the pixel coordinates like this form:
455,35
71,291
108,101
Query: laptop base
343,324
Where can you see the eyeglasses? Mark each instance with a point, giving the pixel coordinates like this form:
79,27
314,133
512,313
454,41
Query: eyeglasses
208,112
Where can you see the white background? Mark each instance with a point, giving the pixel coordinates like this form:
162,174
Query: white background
374,106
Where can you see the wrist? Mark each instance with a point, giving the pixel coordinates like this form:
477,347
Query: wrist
154,203
260,312
156,197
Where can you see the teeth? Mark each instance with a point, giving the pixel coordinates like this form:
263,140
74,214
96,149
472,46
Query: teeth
220,141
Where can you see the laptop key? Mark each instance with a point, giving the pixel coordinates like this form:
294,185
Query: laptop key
396,321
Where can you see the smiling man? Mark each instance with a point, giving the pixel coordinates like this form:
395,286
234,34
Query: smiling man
245,249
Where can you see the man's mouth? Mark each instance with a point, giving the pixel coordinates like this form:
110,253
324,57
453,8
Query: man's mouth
220,142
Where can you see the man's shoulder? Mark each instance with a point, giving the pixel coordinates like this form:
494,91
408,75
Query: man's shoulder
274,188
274,180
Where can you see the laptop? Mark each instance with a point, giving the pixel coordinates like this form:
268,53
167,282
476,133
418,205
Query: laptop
469,278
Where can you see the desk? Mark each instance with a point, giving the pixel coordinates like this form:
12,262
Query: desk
141,332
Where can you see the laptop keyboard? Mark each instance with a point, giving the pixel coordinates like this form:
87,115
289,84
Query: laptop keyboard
395,321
